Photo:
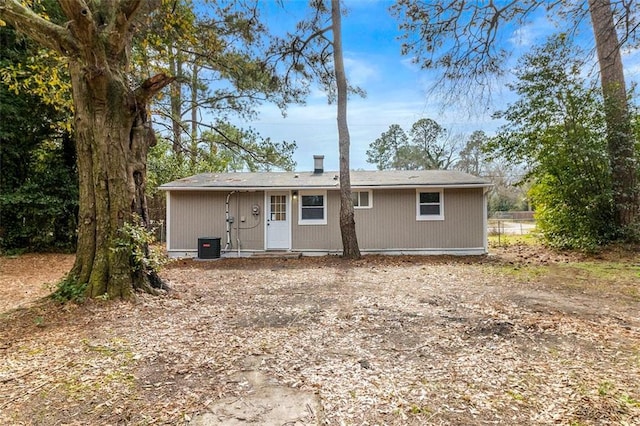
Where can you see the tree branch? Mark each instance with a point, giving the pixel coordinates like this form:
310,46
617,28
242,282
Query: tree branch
151,86
81,22
129,8
39,29
119,28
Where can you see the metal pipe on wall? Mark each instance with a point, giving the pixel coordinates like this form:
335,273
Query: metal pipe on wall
228,225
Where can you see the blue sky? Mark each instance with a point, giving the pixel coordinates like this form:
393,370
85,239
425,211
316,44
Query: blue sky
397,90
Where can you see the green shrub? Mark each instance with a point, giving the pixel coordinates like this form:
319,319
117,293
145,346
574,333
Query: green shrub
69,290
137,240
573,215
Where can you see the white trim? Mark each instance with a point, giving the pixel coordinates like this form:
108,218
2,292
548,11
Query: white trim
177,254
167,234
485,220
370,192
325,201
471,251
421,217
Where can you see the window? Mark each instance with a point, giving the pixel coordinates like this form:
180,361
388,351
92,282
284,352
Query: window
313,208
429,204
362,199
278,206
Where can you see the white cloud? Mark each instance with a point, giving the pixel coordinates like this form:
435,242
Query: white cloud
410,64
314,128
359,72
631,60
532,33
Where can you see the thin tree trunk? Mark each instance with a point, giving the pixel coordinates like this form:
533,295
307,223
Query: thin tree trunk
175,68
621,141
194,117
350,247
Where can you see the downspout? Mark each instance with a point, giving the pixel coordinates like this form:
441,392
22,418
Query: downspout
228,225
237,221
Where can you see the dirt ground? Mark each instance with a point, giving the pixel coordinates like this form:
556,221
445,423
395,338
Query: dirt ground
523,336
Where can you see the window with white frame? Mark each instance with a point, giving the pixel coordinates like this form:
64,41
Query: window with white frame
312,208
429,204
362,199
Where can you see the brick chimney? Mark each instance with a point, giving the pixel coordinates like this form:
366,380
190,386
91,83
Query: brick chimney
318,164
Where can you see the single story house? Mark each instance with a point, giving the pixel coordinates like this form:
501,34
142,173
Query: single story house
396,212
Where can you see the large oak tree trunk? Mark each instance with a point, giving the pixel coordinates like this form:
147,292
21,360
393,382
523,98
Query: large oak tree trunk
113,135
620,136
350,248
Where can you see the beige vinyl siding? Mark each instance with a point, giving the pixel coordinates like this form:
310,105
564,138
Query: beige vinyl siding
196,214
251,231
318,237
391,224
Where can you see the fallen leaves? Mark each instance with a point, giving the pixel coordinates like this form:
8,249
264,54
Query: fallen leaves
405,340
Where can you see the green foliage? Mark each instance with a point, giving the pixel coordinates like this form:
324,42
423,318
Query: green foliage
28,70
428,147
384,151
237,149
228,149
567,220
69,290
137,240
38,181
163,166
472,156
556,129
217,52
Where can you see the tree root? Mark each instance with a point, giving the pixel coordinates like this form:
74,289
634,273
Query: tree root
151,283
156,282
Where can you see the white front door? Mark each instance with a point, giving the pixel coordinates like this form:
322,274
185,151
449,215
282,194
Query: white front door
278,222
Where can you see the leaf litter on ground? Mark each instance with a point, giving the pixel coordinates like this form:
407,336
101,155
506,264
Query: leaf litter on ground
384,340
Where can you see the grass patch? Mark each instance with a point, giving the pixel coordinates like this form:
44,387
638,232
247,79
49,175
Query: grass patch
515,395
612,272
525,273
599,277
608,271
506,240
417,410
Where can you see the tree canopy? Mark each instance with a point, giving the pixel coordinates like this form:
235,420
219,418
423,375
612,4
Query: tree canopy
38,186
428,146
557,129
218,53
112,122
460,39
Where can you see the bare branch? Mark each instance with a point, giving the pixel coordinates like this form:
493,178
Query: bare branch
461,39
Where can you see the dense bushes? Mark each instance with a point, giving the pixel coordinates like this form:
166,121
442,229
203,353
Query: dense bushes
38,179
556,131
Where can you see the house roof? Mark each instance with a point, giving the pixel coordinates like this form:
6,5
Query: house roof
326,180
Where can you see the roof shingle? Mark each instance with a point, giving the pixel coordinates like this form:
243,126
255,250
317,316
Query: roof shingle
326,180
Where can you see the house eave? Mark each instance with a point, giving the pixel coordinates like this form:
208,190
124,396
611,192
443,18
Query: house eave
322,187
